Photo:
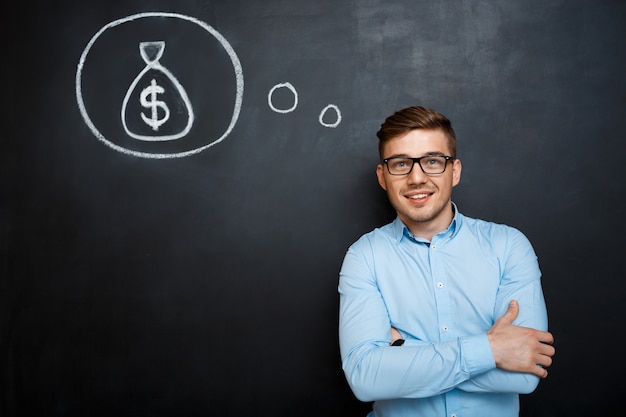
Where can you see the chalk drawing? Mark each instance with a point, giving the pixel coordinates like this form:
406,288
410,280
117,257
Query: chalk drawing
323,113
209,142
151,52
290,88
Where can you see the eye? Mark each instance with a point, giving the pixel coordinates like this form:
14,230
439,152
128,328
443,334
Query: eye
400,164
434,161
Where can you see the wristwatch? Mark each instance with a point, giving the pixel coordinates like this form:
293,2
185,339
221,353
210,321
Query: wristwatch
397,342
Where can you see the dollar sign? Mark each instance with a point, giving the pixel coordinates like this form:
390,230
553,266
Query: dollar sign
152,103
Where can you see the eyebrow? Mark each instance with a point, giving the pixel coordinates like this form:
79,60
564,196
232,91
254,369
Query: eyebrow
436,153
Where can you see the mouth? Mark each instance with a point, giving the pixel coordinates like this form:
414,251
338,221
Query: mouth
418,197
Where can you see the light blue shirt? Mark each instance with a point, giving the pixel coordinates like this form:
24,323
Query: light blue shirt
442,296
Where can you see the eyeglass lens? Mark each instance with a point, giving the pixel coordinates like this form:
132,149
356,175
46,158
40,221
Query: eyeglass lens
429,164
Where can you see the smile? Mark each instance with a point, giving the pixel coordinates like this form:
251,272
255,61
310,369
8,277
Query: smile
418,196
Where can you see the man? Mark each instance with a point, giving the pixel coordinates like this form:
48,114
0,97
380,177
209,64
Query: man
440,314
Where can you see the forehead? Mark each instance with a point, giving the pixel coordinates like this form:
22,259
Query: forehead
418,142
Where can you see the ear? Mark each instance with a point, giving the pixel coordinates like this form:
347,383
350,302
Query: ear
456,172
380,173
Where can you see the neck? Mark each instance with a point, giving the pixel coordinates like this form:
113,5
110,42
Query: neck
427,229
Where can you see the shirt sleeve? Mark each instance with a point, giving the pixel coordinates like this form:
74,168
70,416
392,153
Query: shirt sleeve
520,281
376,371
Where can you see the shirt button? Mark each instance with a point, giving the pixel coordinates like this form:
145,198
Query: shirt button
452,415
439,285
445,328
434,247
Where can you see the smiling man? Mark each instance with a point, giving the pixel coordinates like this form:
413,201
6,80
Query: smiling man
440,314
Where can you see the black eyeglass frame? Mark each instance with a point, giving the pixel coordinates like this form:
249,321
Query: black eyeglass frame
417,160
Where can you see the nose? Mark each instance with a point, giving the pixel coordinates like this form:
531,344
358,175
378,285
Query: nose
417,176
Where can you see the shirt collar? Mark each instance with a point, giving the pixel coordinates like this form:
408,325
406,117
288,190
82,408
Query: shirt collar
400,230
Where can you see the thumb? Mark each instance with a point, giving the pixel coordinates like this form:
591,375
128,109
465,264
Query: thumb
511,313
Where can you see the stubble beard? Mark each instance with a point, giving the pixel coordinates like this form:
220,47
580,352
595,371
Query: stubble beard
422,215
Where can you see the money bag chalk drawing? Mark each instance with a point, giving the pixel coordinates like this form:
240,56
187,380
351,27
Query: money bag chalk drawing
166,112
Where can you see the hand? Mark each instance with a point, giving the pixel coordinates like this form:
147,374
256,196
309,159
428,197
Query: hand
520,349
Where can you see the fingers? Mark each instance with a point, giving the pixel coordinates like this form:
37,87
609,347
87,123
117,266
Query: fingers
544,359
509,315
545,337
511,312
520,349
540,372
546,349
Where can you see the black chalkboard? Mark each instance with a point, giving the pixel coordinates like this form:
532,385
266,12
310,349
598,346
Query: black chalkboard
197,275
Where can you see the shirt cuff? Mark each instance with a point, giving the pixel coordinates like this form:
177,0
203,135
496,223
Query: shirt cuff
476,354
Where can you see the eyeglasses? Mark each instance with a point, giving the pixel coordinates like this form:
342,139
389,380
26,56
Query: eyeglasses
431,164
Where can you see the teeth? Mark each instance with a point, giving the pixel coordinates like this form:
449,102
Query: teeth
419,196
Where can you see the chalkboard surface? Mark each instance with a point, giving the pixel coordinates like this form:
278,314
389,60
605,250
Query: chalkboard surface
192,270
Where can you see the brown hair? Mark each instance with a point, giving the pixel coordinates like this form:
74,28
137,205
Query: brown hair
411,118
